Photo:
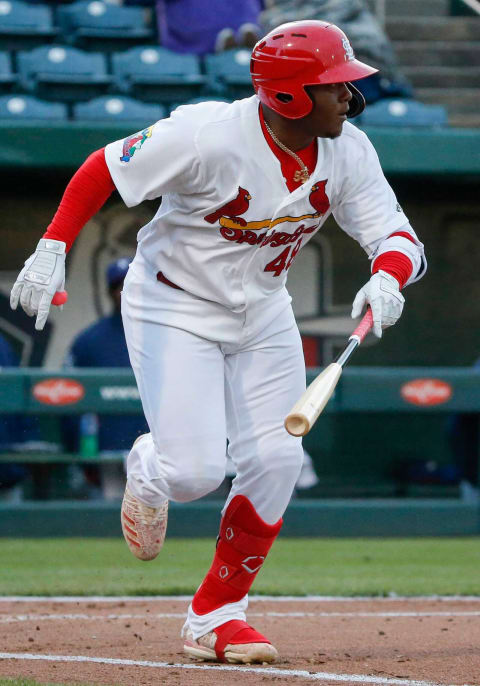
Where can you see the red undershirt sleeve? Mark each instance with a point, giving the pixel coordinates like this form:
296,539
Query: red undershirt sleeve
395,263
87,192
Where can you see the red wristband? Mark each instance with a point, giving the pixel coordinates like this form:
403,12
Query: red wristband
395,263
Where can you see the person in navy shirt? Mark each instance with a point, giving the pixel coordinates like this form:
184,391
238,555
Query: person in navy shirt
89,348
463,431
13,429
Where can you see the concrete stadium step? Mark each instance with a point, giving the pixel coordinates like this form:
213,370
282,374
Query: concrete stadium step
454,99
443,77
415,8
433,28
437,53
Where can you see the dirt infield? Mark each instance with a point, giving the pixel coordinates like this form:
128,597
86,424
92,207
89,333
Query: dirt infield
329,641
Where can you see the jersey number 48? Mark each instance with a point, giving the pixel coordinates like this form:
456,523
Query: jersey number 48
284,261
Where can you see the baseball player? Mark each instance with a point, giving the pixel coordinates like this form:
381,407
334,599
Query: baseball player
208,321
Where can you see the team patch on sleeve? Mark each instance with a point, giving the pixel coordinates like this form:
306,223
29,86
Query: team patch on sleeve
134,143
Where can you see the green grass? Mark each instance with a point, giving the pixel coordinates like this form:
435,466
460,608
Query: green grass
294,567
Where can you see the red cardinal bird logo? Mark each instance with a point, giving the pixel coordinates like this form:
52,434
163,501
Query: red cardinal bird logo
318,197
232,209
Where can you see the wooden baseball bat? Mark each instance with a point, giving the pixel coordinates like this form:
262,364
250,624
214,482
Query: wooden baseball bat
305,412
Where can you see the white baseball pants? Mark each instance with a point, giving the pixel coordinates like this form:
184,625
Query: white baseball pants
197,390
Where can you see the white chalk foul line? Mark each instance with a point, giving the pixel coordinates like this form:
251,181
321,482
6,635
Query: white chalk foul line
270,671
253,598
11,619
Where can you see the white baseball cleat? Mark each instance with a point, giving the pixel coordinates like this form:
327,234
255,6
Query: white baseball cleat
143,527
212,646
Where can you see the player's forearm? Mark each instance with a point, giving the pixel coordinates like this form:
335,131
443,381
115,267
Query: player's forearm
87,192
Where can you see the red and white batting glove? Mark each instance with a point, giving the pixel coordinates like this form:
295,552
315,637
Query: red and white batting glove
383,295
42,276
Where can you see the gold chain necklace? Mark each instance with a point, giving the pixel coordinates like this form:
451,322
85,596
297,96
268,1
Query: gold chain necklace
301,174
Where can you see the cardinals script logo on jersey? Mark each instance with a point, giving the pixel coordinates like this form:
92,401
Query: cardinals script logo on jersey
228,216
238,230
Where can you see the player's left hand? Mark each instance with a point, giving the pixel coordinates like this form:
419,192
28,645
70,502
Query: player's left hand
383,295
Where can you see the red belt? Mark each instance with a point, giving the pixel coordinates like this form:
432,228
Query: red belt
167,282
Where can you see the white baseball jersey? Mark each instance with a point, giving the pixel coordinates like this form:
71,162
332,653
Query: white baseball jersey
228,228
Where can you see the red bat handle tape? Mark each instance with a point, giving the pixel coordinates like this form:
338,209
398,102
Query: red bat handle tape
364,327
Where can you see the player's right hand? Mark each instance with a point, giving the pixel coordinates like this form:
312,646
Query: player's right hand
42,276
383,295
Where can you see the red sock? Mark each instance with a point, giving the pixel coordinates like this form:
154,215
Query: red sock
243,544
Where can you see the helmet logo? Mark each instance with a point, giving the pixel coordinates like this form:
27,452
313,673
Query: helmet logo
348,49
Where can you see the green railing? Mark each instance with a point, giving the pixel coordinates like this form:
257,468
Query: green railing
402,150
360,389
378,417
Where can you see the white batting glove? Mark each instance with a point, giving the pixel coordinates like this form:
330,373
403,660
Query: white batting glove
383,295
42,276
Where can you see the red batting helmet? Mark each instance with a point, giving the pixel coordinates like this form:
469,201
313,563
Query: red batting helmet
299,54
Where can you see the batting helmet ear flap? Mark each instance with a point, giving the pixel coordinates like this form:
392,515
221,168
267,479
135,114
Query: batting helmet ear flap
284,97
357,103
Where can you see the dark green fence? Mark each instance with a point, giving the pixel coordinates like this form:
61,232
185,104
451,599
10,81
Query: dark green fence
379,420
378,423
423,390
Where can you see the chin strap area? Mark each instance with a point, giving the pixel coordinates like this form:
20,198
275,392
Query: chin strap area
242,546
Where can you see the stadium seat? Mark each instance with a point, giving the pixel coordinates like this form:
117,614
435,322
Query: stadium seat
403,112
59,72
118,108
156,74
97,25
228,73
28,107
377,87
24,25
7,77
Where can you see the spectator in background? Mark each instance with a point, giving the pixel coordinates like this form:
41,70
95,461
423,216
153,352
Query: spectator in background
103,345
464,435
200,27
369,41
12,431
